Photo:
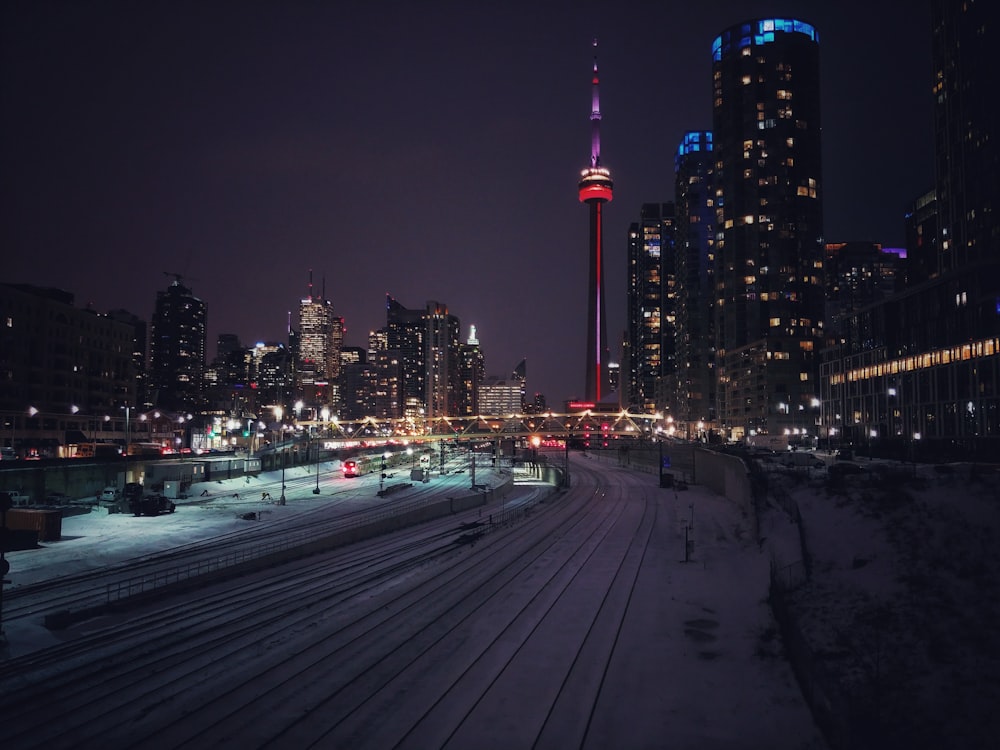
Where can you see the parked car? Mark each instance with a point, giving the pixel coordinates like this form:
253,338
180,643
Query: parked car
8,454
17,499
110,495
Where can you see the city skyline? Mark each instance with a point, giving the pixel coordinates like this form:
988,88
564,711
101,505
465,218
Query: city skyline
427,153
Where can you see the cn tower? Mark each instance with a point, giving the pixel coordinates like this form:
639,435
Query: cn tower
595,191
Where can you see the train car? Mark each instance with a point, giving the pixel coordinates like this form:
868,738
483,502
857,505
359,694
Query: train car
97,450
145,449
355,467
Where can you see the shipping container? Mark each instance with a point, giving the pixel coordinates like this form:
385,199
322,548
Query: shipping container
48,523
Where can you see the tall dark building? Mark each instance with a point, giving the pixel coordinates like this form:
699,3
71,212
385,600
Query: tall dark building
967,164
356,384
921,226
65,372
858,274
595,190
471,374
404,340
695,239
177,350
418,349
441,361
651,298
919,373
769,222
139,354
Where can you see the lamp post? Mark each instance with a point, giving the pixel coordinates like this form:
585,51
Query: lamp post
278,413
32,412
381,480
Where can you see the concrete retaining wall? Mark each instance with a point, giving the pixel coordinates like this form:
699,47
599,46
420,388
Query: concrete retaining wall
728,476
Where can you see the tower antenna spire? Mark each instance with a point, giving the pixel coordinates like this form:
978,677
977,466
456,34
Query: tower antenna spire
595,115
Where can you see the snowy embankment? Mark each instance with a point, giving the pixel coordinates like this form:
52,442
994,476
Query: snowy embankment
902,600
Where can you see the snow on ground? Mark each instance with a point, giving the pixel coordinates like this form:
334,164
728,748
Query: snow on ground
900,604
96,539
903,599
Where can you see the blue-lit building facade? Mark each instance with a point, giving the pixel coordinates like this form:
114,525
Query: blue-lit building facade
768,224
694,170
919,374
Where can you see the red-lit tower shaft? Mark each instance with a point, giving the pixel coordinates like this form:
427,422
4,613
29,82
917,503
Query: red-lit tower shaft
595,190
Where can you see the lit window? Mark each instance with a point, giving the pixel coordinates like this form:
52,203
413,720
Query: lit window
775,322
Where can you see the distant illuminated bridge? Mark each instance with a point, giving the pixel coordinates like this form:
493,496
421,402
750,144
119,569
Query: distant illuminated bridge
614,425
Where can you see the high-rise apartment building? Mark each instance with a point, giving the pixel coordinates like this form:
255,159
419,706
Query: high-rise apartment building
967,155
471,373
356,384
422,345
442,361
918,375
858,274
63,370
921,226
651,297
140,357
320,339
177,350
694,199
273,377
768,222
404,342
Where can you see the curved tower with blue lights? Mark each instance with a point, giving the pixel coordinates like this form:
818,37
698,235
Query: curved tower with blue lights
595,190
768,197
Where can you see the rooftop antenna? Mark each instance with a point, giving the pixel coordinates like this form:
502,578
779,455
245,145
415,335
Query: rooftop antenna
595,116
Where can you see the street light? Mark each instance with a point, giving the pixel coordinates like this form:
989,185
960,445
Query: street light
278,412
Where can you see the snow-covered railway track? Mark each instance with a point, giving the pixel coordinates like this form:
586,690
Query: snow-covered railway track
411,644
88,590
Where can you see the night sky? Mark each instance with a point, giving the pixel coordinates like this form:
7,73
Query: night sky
428,150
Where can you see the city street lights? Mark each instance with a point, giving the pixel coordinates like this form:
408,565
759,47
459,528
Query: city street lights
278,413
32,411
128,410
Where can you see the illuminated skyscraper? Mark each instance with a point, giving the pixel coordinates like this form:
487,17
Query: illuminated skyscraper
768,223
694,197
420,352
320,339
595,190
471,372
650,308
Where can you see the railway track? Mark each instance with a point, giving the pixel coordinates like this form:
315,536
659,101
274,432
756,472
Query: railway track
428,637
